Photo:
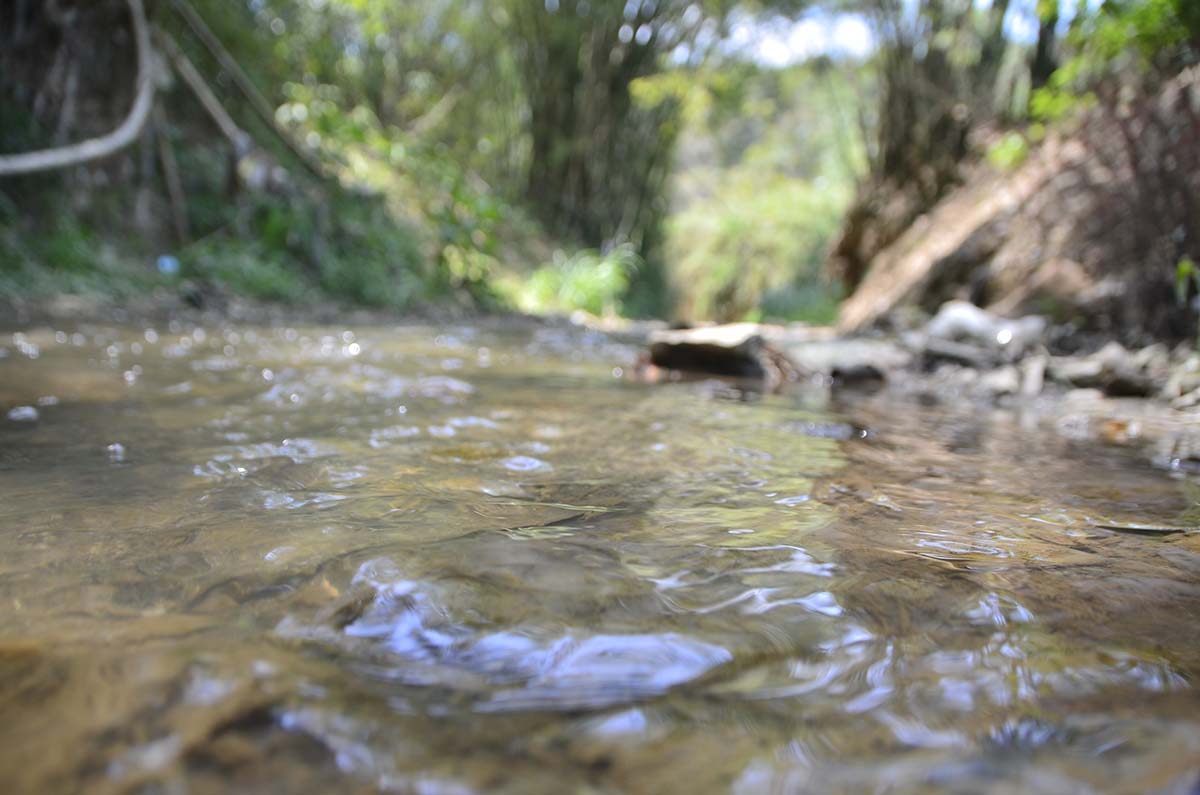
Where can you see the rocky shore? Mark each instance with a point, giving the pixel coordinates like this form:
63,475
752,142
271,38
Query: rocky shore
1148,398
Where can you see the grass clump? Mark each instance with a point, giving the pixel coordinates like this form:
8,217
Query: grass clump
247,268
755,249
588,280
39,260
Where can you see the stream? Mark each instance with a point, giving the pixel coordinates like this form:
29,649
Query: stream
479,559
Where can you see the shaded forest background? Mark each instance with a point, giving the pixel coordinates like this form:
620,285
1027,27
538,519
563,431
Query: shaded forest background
637,158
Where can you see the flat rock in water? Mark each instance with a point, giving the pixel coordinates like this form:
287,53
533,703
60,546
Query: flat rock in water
777,353
1145,529
735,349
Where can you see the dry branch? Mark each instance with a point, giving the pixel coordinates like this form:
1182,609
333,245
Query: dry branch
260,103
192,77
174,181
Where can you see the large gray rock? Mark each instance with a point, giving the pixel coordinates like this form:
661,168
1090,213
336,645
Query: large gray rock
1113,370
1001,381
963,322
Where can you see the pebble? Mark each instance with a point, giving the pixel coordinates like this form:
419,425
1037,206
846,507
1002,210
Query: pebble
23,414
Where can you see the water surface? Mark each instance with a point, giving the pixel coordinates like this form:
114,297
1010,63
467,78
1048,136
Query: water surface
464,560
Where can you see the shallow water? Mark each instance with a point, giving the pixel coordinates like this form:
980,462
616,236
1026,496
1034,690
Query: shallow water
478,560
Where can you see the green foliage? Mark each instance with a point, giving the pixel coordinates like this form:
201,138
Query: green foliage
771,172
472,273
363,255
1187,284
247,267
63,256
1187,277
811,301
757,238
587,280
1130,37
1009,152
464,220
374,257
69,247
446,126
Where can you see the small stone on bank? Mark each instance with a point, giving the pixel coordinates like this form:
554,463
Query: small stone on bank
1033,376
1002,381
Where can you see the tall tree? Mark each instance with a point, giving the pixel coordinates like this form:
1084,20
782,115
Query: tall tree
1044,60
599,158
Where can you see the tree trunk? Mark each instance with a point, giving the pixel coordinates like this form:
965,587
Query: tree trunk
1044,61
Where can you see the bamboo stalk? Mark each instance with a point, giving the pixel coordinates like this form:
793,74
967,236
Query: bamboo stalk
192,77
260,103
170,167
